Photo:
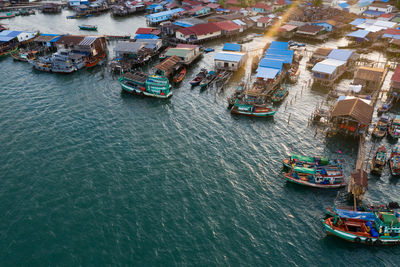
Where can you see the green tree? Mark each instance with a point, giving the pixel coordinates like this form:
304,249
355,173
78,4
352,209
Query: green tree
397,4
316,2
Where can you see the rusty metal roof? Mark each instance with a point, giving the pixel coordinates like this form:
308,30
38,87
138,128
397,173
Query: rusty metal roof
354,108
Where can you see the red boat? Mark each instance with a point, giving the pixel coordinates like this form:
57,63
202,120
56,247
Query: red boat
95,60
180,76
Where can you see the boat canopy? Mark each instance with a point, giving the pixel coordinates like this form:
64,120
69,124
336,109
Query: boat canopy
322,160
305,170
390,219
367,216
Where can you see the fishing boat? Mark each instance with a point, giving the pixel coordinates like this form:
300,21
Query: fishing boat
180,75
209,49
24,56
379,160
395,161
245,40
254,110
394,127
311,177
280,94
211,75
91,62
139,83
294,72
88,27
199,77
381,127
374,228
63,61
5,51
8,15
385,107
236,94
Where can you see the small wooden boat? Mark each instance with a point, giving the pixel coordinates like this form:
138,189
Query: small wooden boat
395,161
306,161
180,75
235,95
209,49
246,40
95,60
312,178
381,127
88,27
211,75
340,210
199,77
280,94
252,110
8,51
394,127
379,160
385,107
380,228
7,15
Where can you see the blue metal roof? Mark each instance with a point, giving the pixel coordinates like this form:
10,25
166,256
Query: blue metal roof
10,33
232,47
391,36
6,38
165,13
271,63
358,34
279,45
357,21
266,73
146,36
49,34
344,5
364,3
373,12
279,54
327,66
183,24
228,57
340,54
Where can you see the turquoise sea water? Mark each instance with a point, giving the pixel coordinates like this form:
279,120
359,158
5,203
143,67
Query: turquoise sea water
93,176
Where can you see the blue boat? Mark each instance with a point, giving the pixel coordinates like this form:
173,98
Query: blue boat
209,49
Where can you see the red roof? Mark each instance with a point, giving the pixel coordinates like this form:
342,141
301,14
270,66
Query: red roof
227,25
232,2
392,31
235,8
263,6
144,31
191,3
386,16
264,20
213,5
281,2
196,8
186,46
396,75
200,29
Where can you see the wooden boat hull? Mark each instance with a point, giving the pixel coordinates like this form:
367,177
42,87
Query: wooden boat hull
88,28
291,179
363,238
7,53
180,76
95,62
259,113
141,92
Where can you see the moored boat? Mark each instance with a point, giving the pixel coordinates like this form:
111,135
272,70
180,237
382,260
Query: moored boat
253,110
209,49
5,51
312,178
394,161
146,85
377,228
385,107
379,160
211,75
199,77
306,161
88,27
341,210
180,75
91,62
231,100
280,94
24,56
7,15
381,127
394,127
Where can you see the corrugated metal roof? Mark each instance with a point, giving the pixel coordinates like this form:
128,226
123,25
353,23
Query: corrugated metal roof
357,21
355,108
232,47
180,52
340,54
128,47
279,45
266,73
271,63
327,66
165,13
228,56
10,33
88,40
239,22
6,38
280,54
146,36
358,34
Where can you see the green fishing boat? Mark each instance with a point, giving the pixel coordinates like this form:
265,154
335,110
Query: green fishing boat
88,27
280,94
140,83
8,51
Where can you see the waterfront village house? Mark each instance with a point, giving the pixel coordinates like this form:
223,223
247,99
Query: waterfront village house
152,44
127,49
328,25
370,78
230,3
264,22
228,27
191,3
229,60
8,39
279,4
154,8
75,3
360,7
381,7
168,66
199,10
310,30
47,40
156,18
352,115
320,54
261,8
395,84
51,8
327,71
92,45
186,54
199,32
24,37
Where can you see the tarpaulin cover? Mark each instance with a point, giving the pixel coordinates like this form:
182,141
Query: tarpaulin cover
279,45
362,215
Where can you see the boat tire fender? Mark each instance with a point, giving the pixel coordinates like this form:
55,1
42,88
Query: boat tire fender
368,241
357,239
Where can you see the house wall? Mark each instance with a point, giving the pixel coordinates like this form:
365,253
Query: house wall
388,9
395,85
209,35
24,36
357,10
327,26
226,65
